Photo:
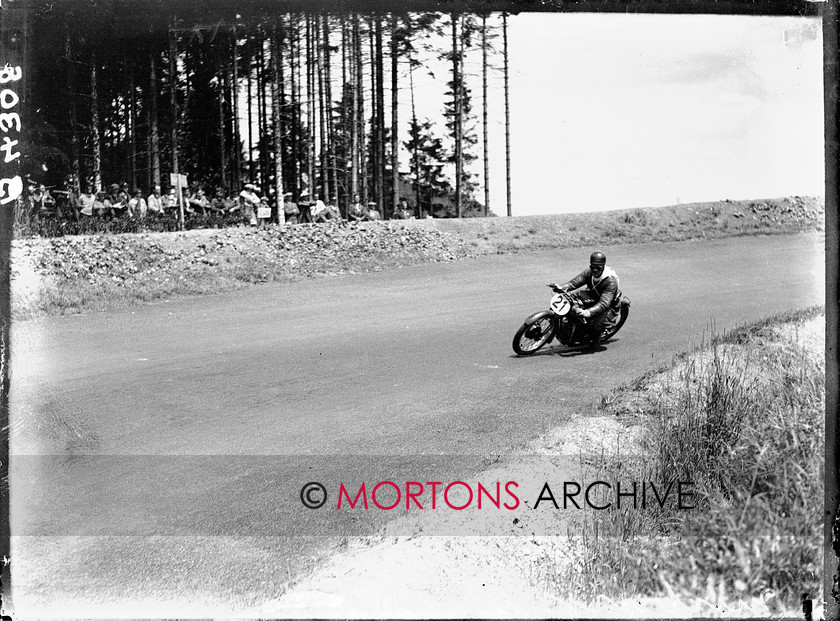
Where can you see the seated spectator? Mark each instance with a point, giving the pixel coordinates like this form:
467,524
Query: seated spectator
115,201
322,212
357,211
42,200
155,202
101,206
217,204
403,212
137,205
373,212
198,203
87,200
290,208
171,199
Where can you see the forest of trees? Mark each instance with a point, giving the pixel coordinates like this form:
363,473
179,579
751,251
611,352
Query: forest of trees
291,102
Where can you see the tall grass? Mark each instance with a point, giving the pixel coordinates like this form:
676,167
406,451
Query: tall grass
743,420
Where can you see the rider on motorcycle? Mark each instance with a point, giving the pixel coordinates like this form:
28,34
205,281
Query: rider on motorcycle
596,293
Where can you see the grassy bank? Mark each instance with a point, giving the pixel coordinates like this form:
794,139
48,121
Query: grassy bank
81,274
743,418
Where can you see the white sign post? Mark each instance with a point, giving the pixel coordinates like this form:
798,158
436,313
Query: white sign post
179,181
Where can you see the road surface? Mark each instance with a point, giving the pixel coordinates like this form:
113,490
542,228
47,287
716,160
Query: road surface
158,452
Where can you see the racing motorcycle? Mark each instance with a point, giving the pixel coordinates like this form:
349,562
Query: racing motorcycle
561,323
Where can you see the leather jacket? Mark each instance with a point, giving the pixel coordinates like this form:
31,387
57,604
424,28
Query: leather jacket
605,293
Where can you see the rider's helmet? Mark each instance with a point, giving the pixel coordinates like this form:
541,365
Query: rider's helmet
598,258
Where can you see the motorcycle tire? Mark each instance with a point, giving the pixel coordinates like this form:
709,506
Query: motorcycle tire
611,332
534,334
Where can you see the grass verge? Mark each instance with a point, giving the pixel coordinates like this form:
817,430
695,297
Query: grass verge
743,418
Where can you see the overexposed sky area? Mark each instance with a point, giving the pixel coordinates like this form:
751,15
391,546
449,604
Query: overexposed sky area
621,111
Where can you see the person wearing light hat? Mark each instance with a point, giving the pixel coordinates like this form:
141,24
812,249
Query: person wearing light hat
373,212
250,201
155,201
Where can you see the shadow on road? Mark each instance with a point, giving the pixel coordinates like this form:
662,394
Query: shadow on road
568,351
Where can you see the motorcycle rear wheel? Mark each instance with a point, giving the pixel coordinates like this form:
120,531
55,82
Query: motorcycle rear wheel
534,334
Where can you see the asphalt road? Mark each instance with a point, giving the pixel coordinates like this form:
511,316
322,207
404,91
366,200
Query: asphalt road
158,453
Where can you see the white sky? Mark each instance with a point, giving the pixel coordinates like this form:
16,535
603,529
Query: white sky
619,111
614,111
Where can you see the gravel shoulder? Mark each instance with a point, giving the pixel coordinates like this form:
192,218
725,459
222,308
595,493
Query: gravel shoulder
74,274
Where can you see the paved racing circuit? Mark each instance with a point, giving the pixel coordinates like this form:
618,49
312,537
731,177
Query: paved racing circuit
415,361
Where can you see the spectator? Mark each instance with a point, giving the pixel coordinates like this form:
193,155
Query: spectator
357,211
263,211
198,203
373,212
249,202
322,212
155,202
171,199
403,212
42,200
115,201
101,205
87,200
290,208
137,205
217,203
305,207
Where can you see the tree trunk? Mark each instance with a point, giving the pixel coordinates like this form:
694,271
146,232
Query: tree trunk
360,118
354,115
263,137
294,61
75,153
418,208
310,109
484,114
456,90
132,132
345,137
234,98
380,119
154,136
280,77
260,129
276,61
97,142
331,167
250,112
395,172
222,148
507,114
374,124
173,94
322,137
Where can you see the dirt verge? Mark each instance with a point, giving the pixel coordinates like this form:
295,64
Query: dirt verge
82,274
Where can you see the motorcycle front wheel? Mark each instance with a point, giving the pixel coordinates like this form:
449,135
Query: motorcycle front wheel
534,333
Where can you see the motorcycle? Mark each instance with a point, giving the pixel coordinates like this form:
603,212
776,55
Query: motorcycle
566,326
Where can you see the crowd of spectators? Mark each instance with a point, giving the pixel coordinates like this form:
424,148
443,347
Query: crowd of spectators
119,202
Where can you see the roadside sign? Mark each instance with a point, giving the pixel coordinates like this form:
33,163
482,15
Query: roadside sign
177,180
